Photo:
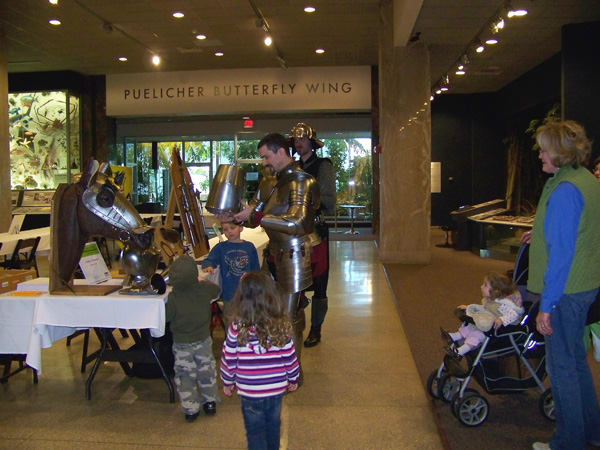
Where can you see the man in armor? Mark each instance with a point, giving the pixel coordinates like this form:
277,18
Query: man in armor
303,140
285,206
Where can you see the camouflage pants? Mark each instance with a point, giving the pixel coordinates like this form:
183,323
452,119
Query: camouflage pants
195,363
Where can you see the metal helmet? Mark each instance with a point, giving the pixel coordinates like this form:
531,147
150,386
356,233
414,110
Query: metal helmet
305,130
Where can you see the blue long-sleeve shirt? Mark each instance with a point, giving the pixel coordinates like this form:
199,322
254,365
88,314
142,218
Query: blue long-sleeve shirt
234,259
561,223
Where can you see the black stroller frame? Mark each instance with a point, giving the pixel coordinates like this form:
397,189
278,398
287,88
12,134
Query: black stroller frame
450,381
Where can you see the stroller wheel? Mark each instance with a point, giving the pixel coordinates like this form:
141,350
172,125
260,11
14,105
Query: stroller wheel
547,405
456,399
433,385
472,410
448,387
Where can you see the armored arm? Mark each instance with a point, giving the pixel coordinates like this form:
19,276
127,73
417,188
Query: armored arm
302,196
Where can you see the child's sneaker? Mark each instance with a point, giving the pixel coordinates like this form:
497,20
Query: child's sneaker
191,417
210,408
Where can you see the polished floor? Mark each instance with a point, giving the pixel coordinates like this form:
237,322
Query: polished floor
361,389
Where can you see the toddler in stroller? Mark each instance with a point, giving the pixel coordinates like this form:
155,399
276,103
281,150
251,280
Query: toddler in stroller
510,359
501,305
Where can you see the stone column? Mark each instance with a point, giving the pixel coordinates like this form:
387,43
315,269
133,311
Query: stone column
405,136
5,197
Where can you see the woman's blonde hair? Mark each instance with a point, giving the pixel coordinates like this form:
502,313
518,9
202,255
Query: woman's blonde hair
500,285
258,310
565,142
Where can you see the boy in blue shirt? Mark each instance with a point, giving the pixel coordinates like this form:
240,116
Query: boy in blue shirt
235,258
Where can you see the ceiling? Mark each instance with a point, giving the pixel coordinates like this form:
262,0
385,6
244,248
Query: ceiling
94,33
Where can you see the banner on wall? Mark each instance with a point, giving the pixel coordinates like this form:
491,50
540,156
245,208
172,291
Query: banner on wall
239,91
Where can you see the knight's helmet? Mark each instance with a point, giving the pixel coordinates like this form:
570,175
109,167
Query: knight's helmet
304,130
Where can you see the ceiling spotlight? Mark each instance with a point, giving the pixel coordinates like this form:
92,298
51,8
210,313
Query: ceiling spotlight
156,60
517,13
461,67
268,40
309,9
431,97
444,88
446,79
460,72
178,15
491,41
438,91
464,59
479,48
122,58
54,22
219,53
200,37
54,2
319,51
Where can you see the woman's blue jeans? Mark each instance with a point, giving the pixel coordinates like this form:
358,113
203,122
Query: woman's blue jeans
262,418
575,400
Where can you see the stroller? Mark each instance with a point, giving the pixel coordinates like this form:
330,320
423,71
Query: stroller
490,364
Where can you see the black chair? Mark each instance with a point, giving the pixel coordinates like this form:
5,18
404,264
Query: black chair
23,256
7,360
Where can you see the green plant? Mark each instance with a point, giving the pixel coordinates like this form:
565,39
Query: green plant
552,114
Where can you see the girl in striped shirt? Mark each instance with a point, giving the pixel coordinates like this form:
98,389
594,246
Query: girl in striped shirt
259,358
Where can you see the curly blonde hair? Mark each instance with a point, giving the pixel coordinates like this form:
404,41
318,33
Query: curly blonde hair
500,285
565,142
259,311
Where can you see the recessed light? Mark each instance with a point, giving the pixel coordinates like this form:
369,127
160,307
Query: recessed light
200,36
460,72
122,58
480,49
178,15
491,41
309,9
54,22
219,53
518,13
156,60
319,51
54,2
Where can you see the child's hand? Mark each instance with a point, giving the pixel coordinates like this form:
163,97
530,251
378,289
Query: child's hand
462,306
228,390
208,270
497,323
292,387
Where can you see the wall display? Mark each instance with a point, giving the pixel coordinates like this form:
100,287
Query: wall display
44,135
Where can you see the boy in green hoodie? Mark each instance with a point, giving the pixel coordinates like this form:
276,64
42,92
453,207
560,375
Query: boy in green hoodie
188,310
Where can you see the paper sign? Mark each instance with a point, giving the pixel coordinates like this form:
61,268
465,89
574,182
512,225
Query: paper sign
92,264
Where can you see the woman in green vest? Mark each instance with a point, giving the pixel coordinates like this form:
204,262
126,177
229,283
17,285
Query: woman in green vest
564,268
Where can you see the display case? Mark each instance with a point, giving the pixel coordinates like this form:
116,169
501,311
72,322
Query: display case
497,236
44,139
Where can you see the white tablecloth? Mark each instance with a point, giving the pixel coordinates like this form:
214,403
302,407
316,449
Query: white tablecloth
10,240
28,324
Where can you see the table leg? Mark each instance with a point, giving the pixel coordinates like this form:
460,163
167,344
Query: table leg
162,369
88,384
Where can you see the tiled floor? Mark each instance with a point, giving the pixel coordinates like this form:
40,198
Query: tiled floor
361,388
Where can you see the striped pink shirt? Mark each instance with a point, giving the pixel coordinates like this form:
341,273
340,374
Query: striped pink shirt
257,371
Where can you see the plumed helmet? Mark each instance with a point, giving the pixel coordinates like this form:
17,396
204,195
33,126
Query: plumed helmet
305,130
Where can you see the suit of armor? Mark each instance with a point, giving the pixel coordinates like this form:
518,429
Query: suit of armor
285,206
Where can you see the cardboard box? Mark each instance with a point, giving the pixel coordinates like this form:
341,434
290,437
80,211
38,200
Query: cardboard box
9,278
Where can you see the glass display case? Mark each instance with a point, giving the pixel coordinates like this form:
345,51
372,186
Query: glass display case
44,139
498,236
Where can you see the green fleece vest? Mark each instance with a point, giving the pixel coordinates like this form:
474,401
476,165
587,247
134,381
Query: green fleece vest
585,269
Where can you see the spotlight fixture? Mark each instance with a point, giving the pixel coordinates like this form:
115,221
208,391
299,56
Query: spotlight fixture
122,58
178,15
310,9
491,41
438,90
54,22
320,51
415,38
480,48
268,40
444,88
156,60
201,37
219,53
460,72
54,2
445,79
464,59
